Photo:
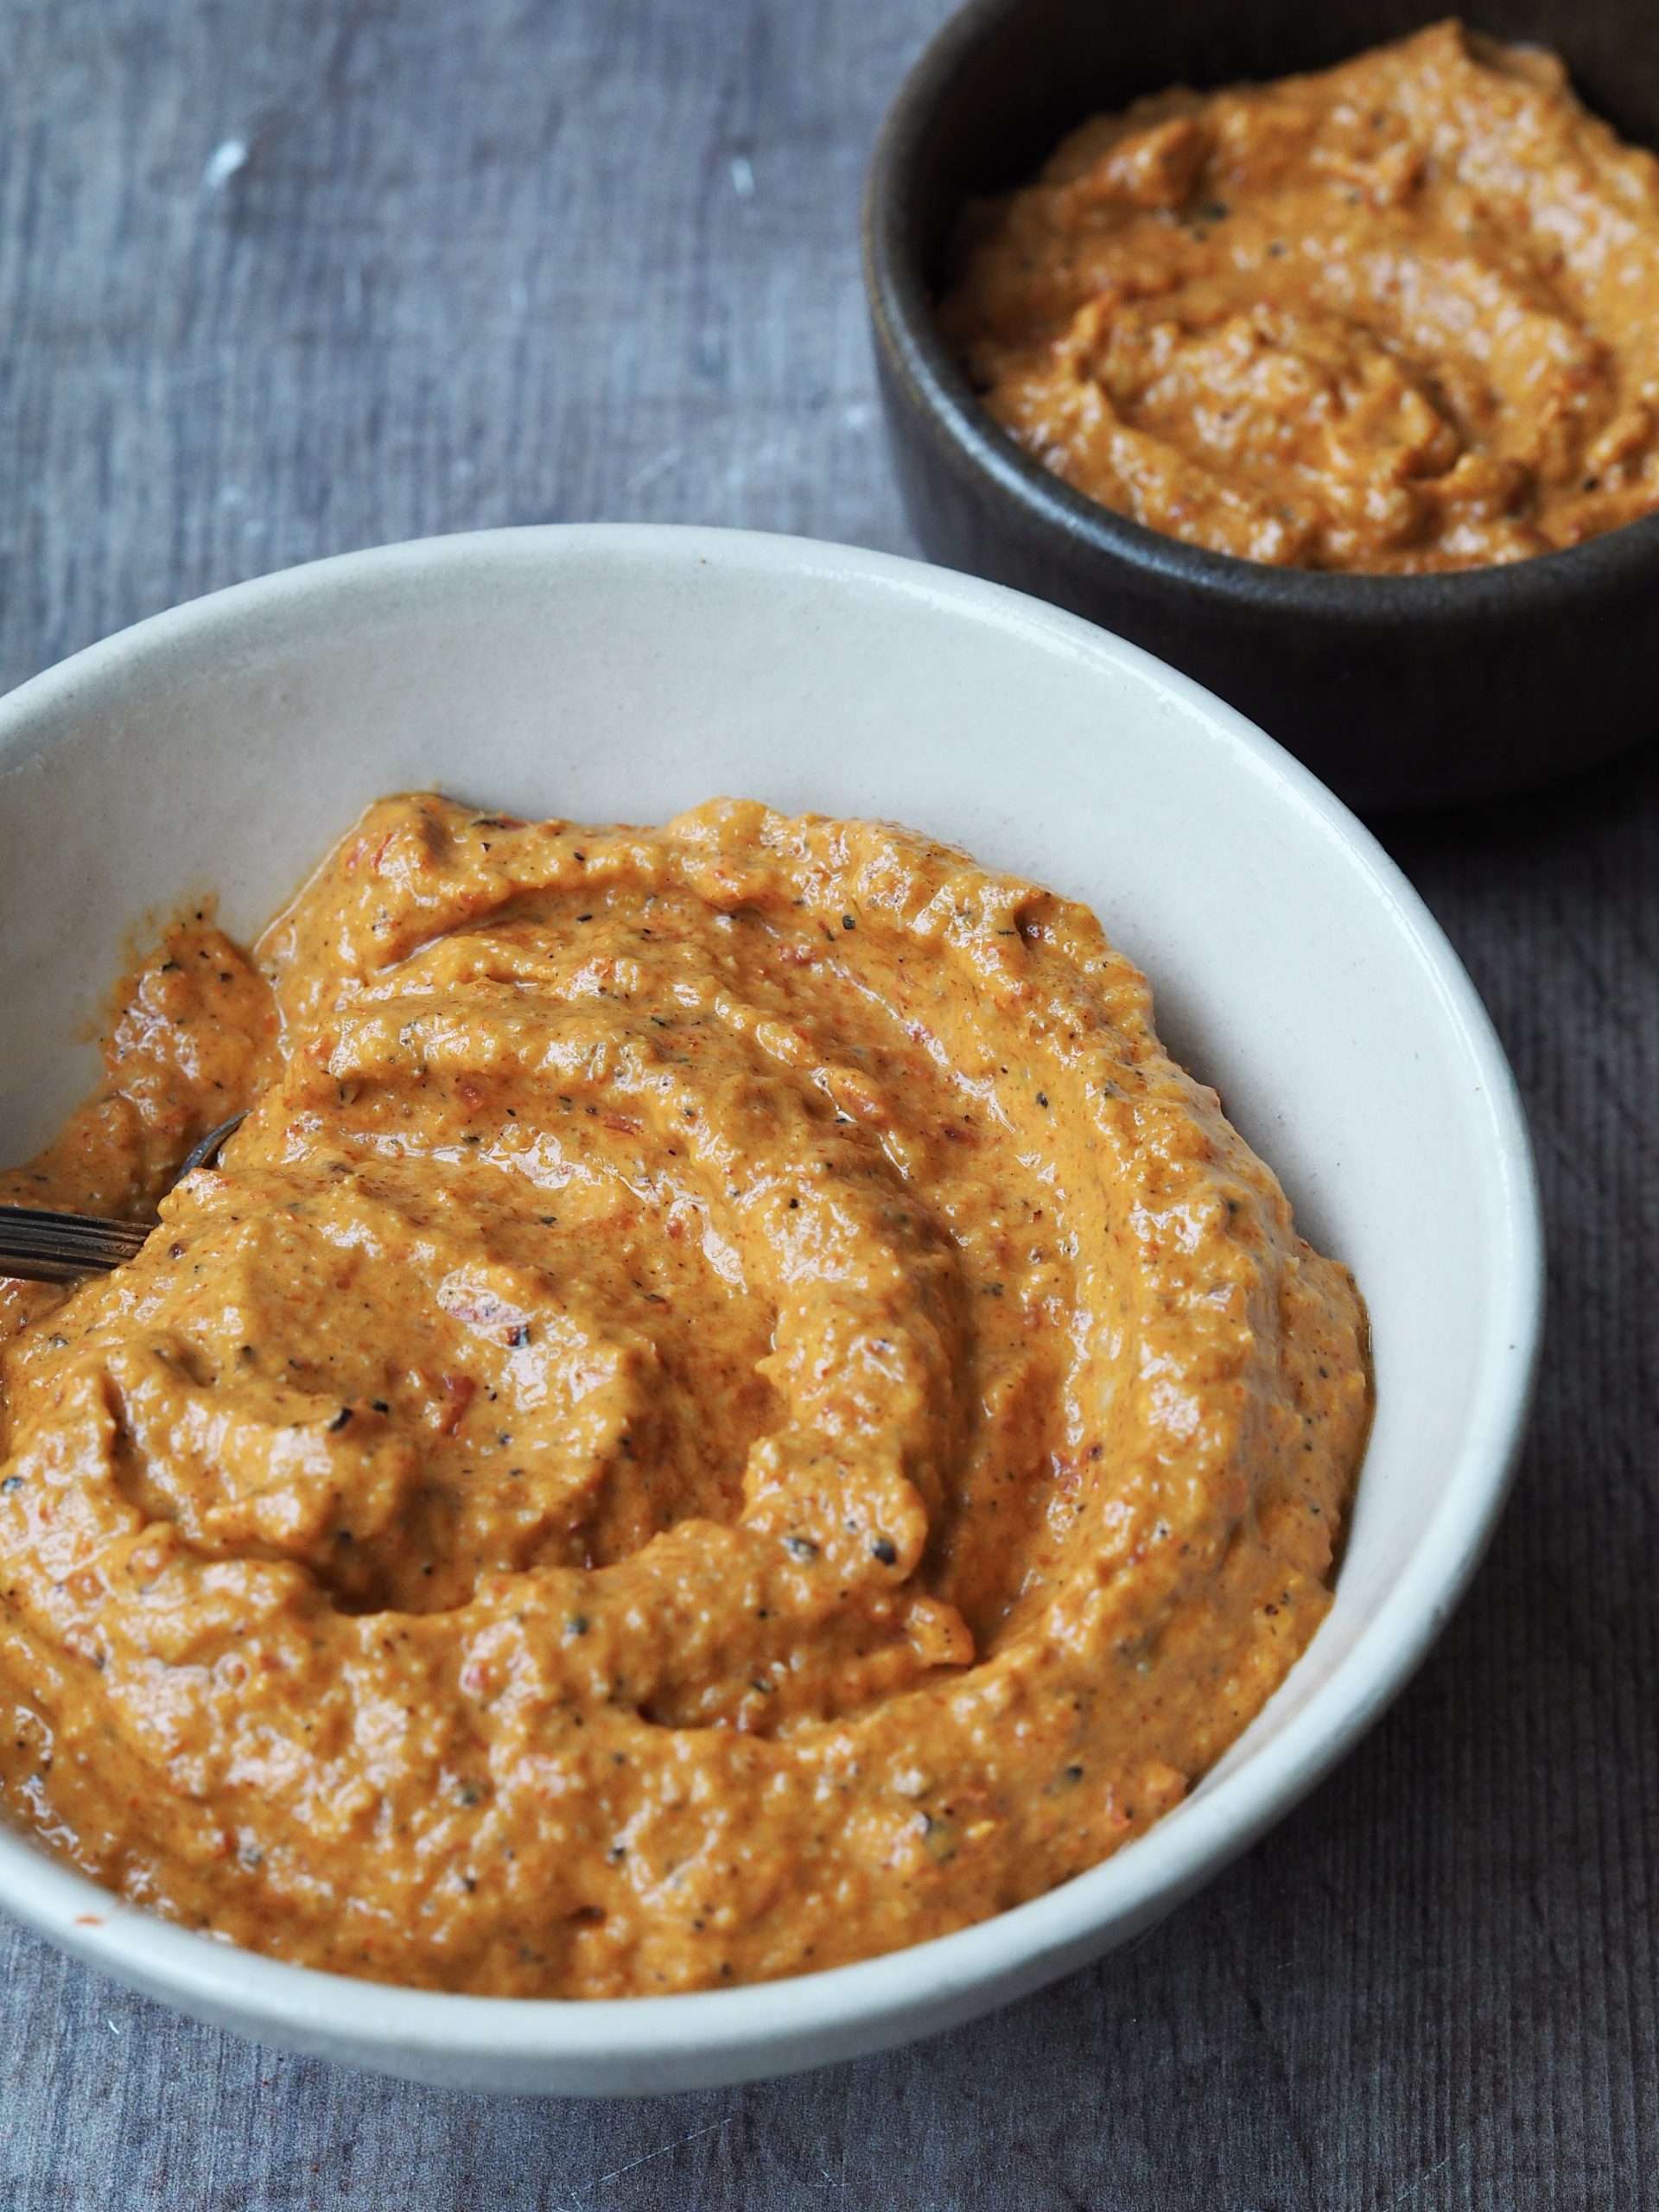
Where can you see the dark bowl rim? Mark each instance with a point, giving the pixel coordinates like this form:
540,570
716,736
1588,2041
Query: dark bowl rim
903,315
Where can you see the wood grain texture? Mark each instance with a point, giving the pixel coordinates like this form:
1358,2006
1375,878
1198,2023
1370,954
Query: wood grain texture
491,263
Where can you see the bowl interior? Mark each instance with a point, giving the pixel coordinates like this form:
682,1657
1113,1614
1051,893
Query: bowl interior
1013,76
626,673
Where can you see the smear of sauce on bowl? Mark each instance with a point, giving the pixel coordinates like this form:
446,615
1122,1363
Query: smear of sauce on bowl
727,1409
1401,315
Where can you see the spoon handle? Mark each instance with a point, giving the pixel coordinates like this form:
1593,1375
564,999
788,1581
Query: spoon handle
42,1247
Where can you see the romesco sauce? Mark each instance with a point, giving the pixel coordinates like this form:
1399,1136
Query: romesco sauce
727,1409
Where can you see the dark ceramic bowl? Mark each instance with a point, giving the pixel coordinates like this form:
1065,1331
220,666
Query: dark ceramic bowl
1398,690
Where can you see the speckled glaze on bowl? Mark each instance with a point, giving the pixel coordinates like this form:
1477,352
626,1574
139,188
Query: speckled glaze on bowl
1399,691
626,673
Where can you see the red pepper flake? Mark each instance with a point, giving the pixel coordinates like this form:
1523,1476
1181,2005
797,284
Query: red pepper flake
461,1390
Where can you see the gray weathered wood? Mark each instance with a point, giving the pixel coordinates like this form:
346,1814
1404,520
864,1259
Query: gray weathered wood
492,263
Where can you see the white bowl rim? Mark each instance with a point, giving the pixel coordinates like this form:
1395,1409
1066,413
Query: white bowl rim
1031,1941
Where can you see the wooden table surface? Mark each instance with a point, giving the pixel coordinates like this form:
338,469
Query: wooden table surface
282,278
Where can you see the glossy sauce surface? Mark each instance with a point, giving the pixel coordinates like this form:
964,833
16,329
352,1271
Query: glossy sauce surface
727,1409
1401,315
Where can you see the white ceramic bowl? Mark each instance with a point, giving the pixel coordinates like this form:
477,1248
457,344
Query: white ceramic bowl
625,672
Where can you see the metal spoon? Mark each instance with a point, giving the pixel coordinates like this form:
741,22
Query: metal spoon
42,1247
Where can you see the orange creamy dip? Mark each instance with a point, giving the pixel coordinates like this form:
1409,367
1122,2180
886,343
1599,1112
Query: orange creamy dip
1401,315
727,1409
